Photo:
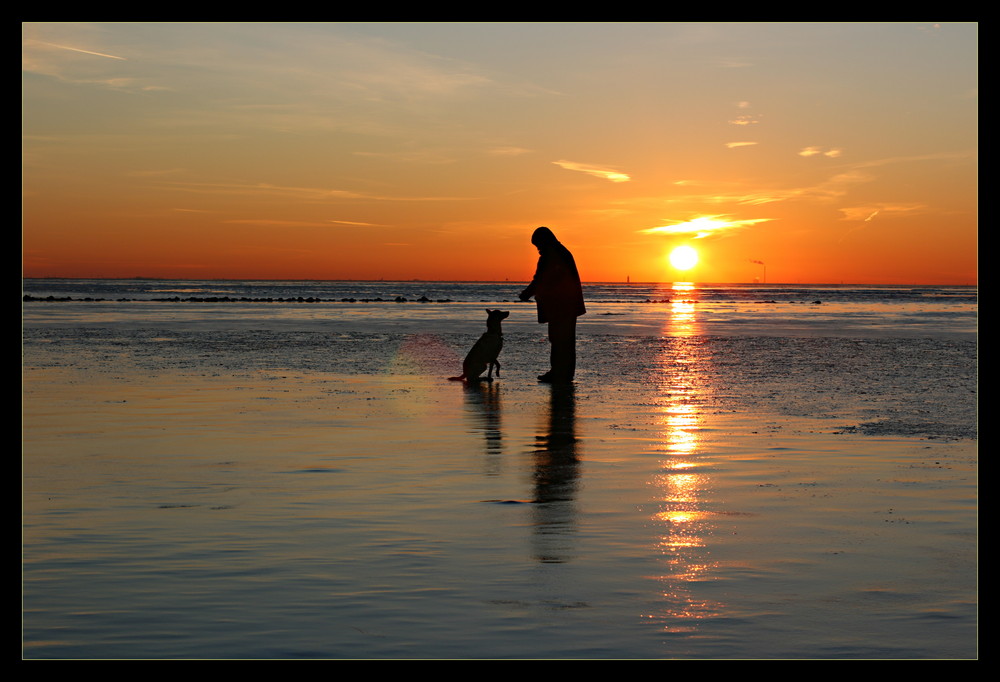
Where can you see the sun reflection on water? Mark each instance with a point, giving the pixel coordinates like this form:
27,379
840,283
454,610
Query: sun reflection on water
682,485
683,321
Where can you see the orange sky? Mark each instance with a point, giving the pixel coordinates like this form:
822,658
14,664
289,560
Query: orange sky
828,152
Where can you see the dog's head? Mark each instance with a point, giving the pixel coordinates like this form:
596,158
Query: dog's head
496,315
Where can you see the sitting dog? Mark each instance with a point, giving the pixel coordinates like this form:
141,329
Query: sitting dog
485,351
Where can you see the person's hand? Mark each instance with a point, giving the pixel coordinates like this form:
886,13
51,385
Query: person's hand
524,295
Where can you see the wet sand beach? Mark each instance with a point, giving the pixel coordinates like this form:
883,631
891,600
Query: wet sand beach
278,493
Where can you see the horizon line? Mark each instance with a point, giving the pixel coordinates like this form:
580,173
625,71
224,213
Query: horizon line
483,281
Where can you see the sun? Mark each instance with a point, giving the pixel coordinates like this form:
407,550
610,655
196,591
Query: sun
683,258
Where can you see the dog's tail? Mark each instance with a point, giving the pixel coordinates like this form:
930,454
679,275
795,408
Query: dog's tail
460,378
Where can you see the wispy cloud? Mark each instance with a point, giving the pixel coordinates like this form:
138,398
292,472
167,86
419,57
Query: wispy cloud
820,151
606,173
944,156
302,193
354,223
271,222
733,145
88,54
508,151
422,156
866,214
835,188
705,226
336,77
277,222
832,189
744,119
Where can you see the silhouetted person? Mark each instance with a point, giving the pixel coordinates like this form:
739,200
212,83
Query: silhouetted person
559,296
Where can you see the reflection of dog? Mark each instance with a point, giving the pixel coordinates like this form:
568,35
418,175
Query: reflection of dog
485,351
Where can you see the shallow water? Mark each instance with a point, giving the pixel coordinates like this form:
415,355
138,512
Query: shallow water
208,489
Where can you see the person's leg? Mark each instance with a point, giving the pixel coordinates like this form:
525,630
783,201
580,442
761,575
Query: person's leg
562,354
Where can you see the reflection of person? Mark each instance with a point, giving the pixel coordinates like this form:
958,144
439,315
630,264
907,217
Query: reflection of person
556,477
559,298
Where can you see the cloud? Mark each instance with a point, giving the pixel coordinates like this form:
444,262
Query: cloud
390,74
315,194
834,188
354,223
945,156
866,214
263,222
217,67
705,226
422,156
744,119
733,145
508,151
819,151
271,222
831,189
863,215
73,64
606,173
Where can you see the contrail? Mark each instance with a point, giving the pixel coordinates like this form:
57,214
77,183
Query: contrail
76,49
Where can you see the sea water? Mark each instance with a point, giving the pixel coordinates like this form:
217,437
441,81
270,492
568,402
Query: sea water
412,306
281,470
